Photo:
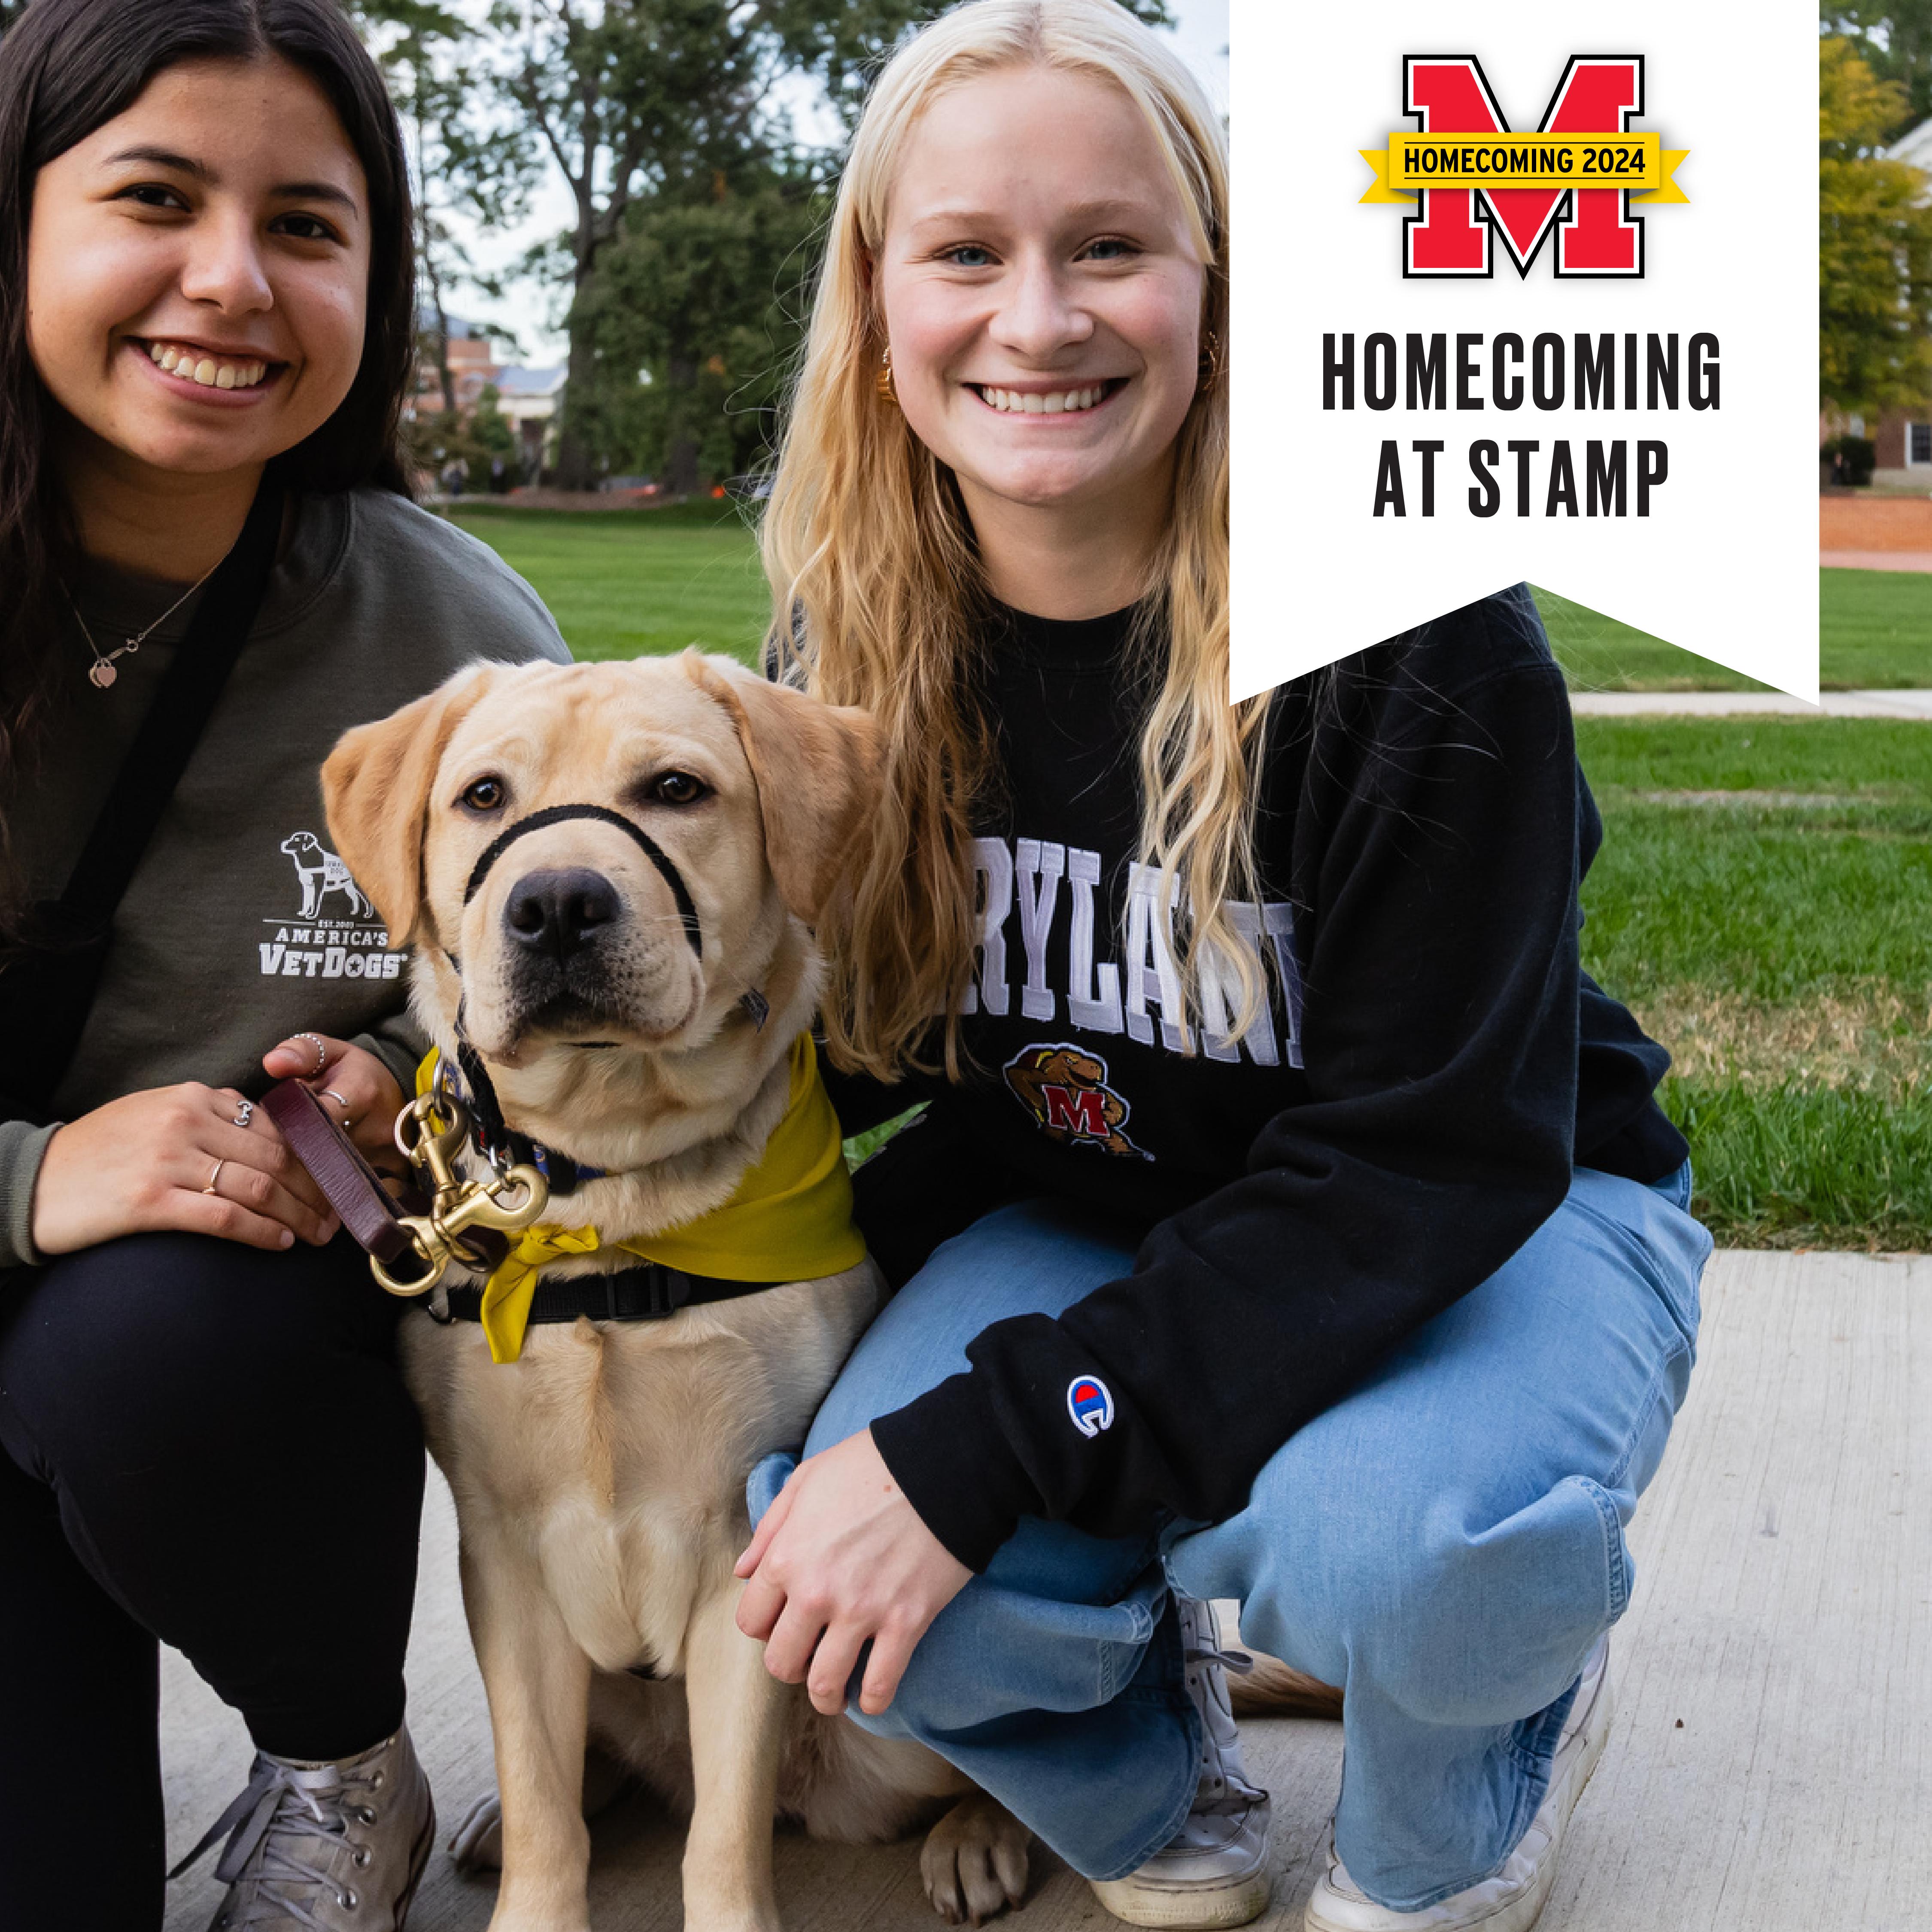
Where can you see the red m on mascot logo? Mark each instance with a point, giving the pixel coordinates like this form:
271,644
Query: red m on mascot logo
1454,233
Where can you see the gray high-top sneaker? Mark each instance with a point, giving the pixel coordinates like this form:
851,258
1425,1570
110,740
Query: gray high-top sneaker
325,1847
1213,1870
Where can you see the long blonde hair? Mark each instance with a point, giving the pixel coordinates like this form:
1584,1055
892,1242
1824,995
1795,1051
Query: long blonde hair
878,596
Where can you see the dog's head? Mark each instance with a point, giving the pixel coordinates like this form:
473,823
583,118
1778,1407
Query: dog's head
604,855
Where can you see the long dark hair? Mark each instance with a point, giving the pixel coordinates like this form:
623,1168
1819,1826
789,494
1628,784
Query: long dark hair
66,68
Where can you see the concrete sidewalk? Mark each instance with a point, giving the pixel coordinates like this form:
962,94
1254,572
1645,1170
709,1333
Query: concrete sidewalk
1916,704
1769,1767
1919,561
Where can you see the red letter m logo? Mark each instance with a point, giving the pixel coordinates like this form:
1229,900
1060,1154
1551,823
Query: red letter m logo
1078,1109
1596,233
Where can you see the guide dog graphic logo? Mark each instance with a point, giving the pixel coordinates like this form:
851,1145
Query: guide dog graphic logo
1578,175
321,873
1065,1089
1091,1404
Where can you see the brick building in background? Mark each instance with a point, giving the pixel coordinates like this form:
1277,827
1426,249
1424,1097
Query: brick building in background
527,396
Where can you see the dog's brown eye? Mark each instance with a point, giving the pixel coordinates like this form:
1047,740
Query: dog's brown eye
485,795
677,788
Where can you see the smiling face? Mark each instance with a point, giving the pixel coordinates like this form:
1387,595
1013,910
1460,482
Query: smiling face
198,269
1042,292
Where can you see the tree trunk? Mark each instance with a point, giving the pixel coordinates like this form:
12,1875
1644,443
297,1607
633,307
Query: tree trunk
681,457
441,337
573,449
681,472
426,250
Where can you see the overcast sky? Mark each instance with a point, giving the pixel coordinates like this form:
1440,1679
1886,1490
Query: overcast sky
1202,36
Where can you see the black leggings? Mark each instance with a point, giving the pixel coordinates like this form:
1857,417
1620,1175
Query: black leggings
210,1445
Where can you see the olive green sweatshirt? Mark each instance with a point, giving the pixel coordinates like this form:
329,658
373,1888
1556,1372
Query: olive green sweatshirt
242,926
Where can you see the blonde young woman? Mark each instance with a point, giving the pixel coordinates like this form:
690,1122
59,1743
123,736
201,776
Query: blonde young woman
1291,1220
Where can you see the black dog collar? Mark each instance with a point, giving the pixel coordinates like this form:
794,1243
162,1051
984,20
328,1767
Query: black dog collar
651,1293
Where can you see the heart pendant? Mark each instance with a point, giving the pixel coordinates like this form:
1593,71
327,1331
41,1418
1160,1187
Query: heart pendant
102,673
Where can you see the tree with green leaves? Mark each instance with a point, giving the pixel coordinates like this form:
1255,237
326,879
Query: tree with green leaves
651,102
1894,39
705,295
1874,244
468,169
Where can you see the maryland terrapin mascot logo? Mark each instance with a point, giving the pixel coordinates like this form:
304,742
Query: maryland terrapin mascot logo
1065,1089
1579,174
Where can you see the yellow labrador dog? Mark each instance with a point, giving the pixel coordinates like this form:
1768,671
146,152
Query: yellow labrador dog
609,874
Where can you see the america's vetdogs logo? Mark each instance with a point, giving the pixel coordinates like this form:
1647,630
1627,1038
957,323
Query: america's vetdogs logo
1065,1089
1578,176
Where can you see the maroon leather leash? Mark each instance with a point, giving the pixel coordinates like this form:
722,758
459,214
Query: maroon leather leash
349,1183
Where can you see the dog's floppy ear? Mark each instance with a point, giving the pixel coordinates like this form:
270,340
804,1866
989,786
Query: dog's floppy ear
375,789
818,767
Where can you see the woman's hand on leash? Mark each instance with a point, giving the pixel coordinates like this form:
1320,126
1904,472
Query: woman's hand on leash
842,1559
194,1160
360,1092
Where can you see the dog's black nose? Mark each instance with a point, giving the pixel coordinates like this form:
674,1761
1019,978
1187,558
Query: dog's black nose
560,913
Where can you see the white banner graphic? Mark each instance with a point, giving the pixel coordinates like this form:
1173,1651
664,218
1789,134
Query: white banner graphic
1586,356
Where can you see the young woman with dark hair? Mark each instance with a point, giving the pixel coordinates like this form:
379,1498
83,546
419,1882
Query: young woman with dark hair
206,339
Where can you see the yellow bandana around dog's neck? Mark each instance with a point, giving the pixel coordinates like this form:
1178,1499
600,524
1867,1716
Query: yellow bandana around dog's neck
789,1219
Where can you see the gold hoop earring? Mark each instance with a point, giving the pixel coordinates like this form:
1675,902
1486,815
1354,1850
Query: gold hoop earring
887,393
1211,363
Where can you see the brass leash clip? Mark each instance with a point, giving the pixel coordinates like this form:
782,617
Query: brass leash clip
429,1132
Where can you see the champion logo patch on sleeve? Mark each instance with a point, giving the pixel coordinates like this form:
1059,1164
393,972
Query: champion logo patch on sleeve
1090,1404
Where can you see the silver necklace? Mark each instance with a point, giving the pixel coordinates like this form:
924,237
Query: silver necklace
101,673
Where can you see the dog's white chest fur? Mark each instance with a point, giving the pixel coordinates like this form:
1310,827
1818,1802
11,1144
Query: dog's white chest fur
606,1466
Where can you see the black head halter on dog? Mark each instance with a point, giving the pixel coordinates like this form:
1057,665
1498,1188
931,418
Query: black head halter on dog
559,814
496,1139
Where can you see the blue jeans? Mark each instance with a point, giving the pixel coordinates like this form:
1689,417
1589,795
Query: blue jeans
1446,1542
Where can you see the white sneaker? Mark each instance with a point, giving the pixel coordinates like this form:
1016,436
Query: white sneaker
1213,1870
1513,1899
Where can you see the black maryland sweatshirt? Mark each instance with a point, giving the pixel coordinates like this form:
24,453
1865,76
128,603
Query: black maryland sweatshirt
1402,1117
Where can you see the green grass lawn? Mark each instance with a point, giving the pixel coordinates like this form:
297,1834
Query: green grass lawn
1877,629
1875,633
625,583
621,582
1763,900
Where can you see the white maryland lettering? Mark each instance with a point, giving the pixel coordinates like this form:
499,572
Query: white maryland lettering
1131,996
993,864
1150,941
1039,870
1094,991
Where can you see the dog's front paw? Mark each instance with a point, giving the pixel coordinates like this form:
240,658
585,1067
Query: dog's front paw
478,1846
974,1861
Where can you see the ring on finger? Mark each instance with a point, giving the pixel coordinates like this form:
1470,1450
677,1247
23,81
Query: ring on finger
348,1118
214,1177
321,1051
244,1114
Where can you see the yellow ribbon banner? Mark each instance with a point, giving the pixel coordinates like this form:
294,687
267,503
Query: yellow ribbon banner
1639,164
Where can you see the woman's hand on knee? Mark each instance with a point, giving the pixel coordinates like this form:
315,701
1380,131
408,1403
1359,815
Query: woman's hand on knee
175,1159
360,1092
842,1559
